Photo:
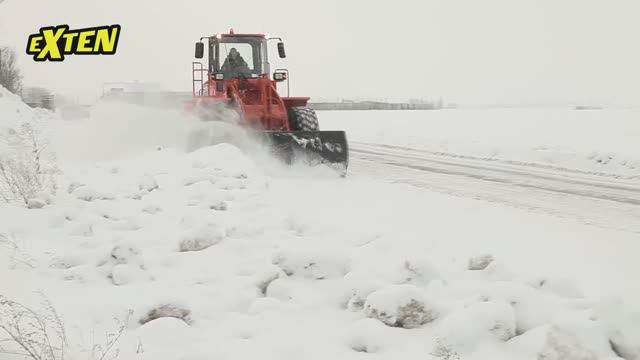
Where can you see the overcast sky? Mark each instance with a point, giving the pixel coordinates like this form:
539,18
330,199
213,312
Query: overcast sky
468,51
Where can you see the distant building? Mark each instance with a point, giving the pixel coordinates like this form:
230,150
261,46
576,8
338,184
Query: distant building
37,97
129,87
139,93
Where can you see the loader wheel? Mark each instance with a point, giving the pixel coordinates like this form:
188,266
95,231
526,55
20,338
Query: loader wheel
303,118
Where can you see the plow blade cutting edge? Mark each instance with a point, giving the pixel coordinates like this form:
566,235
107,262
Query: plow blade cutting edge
312,147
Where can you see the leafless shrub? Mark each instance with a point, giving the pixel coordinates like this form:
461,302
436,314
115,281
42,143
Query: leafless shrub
26,167
444,351
37,335
41,335
17,254
10,76
106,351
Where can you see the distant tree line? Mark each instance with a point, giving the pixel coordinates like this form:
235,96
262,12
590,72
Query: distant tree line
10,76
378,105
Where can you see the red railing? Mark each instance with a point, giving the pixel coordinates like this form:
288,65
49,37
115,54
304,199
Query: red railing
198,76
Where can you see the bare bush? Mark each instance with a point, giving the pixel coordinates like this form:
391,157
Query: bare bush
106,351
17,255
10,76
443,350
34,335
41,335
26,167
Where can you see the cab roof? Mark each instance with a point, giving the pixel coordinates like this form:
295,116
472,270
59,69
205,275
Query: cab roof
231,33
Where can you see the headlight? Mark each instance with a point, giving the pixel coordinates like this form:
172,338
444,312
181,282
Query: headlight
279,76
219,76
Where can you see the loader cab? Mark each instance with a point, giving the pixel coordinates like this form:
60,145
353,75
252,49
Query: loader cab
252,50
211,78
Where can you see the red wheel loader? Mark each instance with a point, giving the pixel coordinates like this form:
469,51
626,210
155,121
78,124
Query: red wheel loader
236,76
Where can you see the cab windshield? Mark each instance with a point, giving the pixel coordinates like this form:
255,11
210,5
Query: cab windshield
239,56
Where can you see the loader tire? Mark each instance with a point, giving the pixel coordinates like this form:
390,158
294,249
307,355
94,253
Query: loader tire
303,119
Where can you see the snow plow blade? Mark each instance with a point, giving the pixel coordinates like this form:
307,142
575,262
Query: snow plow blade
312,147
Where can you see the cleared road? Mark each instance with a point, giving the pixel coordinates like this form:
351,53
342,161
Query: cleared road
604,200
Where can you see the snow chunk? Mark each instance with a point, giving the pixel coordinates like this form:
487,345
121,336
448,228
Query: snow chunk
263,283
311,264
218,206
280,289
356,303
202,238
125,254
467,327
245,230
148,183
124,265
367,336
621,326
367,276
627,345
265,304
419,271
196,179
480,262
151,209
84,230
126,224
562,345
122,254
36,203
231,184
167,311
294,224
400,306
73,186
88,194
532,307
393,270
123,274
567,338
562,288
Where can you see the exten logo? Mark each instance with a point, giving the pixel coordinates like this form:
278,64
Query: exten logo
54,42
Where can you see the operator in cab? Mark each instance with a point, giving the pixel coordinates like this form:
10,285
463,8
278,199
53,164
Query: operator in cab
235,66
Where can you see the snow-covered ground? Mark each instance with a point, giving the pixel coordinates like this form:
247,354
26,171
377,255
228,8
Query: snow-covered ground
221,254
600,141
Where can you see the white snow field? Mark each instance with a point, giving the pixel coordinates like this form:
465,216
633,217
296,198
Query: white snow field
222,254
597,141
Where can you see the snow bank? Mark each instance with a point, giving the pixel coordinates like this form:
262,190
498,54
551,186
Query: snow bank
13,112
28,164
